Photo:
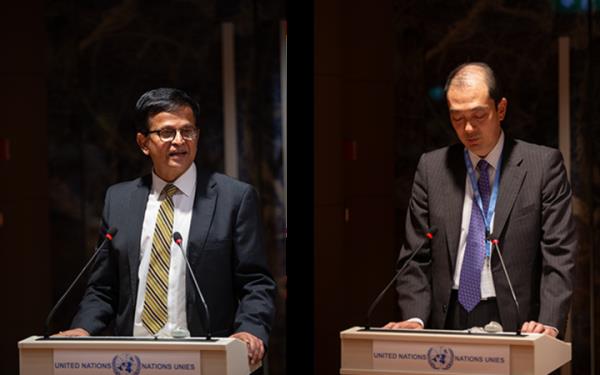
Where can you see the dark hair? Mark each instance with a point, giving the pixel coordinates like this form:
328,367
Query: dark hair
488,74
162,100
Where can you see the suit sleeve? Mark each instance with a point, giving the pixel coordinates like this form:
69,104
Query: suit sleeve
413,286
558,245
254,285
97,307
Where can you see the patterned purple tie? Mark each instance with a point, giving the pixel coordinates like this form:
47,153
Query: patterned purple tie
469,290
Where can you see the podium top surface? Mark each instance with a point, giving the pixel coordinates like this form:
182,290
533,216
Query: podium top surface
101,342
509,338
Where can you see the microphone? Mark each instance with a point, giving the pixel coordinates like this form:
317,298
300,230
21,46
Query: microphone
512,291
107,237
428,236
178,240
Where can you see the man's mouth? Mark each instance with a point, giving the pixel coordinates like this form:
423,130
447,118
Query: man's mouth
177,153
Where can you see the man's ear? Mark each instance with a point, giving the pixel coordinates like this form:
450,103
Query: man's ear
502,104
142,142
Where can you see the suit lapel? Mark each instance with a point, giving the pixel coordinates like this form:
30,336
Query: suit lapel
511,180
202,215
138,202
455,194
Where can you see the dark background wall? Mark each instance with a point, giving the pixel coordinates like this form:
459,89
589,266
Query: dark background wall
379,72
24,199
354,168
70,74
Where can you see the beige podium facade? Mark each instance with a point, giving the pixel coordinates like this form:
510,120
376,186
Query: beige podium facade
223,356
387,352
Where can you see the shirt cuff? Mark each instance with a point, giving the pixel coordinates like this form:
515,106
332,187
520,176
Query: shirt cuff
417,320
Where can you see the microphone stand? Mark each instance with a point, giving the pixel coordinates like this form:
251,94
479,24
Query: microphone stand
512,291
178,240
428,236
107,237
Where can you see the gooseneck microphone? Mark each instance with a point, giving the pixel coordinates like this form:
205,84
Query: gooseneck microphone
107,237
428,236
178,240
510,286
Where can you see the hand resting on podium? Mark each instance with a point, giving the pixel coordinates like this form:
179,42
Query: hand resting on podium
256,348
536,327
75,332
406,324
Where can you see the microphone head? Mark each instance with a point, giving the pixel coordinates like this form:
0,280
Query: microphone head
431,232
177,237
111,233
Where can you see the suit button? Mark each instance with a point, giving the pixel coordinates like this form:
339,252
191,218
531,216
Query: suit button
444,308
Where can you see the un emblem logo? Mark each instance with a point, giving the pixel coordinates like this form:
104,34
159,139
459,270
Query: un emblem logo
126,364
440,358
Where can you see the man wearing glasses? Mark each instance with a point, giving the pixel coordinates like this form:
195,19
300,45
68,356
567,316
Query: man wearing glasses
139,282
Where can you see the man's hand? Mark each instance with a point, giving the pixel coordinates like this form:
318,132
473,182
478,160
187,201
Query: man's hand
75,332
256,349
406,324
535,327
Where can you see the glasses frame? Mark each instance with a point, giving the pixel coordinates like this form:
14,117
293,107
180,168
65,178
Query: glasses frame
177,131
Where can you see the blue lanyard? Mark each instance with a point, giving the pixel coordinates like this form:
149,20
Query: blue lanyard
487,216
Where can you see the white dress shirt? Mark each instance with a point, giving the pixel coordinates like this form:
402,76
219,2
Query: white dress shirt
183,202
487,282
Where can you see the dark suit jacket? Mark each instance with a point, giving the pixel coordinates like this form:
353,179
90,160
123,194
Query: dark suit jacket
225,249
533,222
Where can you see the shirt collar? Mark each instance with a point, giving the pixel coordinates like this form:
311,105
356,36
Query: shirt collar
493,157
185,183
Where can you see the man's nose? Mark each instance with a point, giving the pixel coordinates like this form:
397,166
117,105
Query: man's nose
469,126
178,139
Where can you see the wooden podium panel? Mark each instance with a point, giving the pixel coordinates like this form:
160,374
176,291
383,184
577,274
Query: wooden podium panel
226,356
530,354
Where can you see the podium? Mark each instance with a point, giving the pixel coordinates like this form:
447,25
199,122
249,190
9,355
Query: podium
388,352
127,355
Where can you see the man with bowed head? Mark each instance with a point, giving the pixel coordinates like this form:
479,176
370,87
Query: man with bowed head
489,186
139,285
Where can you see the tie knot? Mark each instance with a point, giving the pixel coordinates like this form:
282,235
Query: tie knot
482,166
170,190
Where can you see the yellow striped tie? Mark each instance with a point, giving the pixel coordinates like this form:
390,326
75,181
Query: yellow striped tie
154,314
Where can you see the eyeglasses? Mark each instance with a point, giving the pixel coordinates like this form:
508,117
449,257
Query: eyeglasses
168,134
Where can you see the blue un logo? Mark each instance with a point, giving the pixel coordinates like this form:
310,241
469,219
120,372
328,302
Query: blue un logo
440,358
126,364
